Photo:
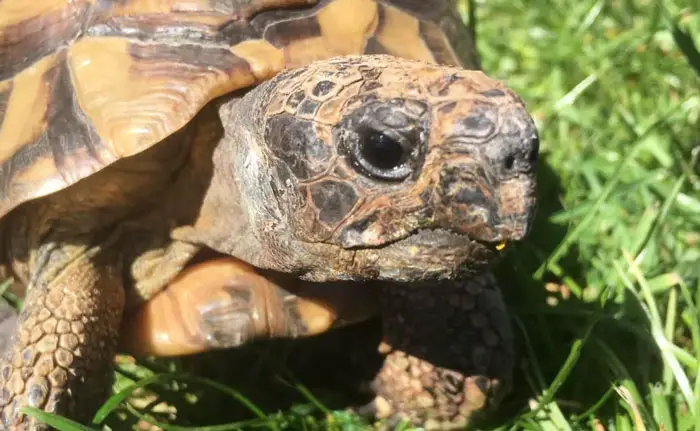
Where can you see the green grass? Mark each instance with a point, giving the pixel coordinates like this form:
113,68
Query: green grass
606,291
608,310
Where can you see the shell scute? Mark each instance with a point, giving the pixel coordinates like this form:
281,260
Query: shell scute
86,82
31,30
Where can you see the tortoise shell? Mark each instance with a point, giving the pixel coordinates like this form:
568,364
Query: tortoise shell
84,83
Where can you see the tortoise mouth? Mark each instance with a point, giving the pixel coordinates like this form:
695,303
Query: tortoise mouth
442,238
429,254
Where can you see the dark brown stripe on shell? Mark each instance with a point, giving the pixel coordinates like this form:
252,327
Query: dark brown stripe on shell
436,45
458,36
171,27
4,97
236,32
69,139
264,19
215,21
25,42
203,57
151,27
373,46
282,34
167,28
69,132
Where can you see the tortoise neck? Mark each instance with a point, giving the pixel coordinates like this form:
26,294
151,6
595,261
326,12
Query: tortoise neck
212,209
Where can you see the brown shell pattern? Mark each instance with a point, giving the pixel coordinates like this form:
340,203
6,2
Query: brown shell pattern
84,83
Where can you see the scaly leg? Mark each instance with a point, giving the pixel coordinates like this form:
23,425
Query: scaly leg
224,303
60,357
449,352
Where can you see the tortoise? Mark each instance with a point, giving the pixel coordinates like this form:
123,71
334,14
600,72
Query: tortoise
337,141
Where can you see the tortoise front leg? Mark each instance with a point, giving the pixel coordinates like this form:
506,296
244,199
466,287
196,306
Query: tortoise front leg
224,303
449,352
60,356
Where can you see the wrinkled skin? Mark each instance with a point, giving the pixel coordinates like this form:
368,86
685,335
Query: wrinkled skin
359,168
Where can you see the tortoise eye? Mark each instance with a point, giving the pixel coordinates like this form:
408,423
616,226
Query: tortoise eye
381,156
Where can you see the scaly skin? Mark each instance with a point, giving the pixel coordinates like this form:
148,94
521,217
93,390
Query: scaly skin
352,169
449,352
60,358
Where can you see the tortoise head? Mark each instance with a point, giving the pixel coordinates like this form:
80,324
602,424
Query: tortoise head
378,167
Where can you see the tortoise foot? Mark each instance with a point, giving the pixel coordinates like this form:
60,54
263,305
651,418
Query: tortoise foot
415,391
449,354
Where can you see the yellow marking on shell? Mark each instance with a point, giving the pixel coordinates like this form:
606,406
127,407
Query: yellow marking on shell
133,103
25,119
264,59
345,27
441,48
400,35
16,11
501,246
305,51
347,24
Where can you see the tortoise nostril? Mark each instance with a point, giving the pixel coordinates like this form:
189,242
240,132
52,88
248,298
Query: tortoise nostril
517,155
509,162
